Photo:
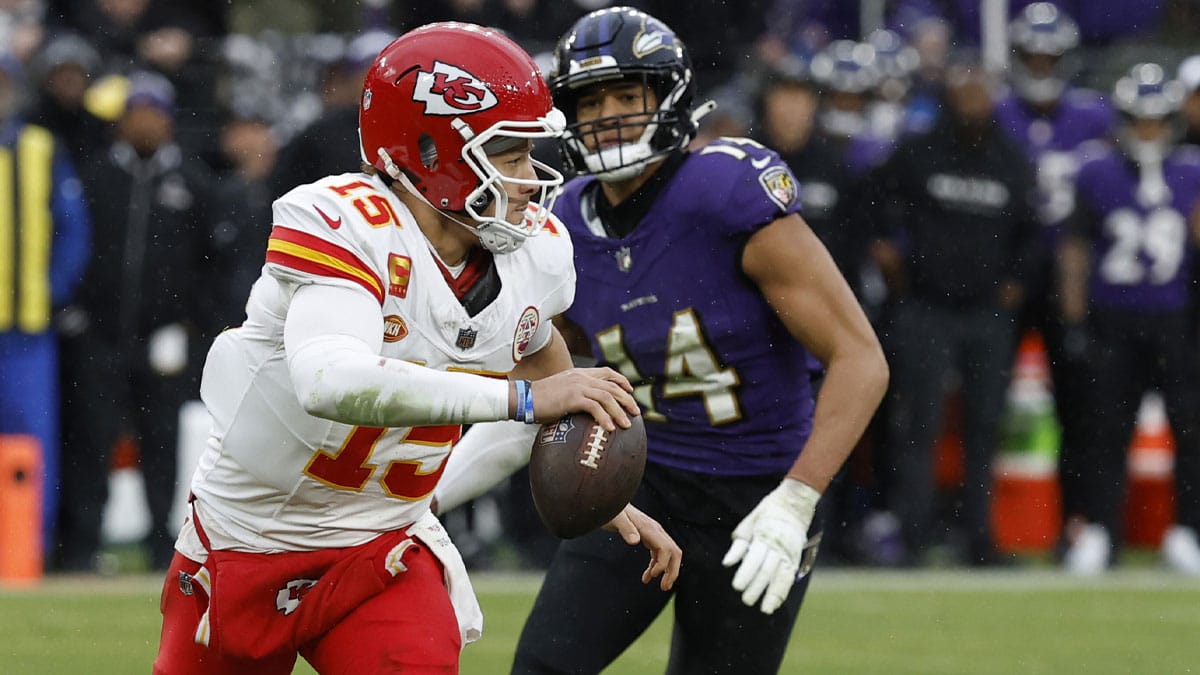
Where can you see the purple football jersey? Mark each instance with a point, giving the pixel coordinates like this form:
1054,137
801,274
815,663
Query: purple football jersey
723,385
1141,256
1050,142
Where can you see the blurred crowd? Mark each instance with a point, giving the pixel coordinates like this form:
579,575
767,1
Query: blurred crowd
937,152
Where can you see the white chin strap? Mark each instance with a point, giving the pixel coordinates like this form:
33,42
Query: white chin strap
503,239
626,161
1041,89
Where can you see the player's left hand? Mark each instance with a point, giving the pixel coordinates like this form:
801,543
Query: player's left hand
665,555
769,542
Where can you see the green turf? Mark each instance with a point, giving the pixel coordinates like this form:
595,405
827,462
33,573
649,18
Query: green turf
1143,621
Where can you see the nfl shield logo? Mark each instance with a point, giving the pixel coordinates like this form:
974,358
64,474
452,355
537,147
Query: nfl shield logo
624,258
466,338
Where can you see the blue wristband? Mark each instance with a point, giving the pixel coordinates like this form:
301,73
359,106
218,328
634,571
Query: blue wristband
522,387
528,401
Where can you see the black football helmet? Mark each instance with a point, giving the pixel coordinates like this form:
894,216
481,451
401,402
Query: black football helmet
615,44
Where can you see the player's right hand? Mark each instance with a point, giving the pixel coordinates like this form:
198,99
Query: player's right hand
603,393
769,543
665,555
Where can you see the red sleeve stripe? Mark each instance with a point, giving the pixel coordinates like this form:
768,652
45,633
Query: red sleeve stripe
313,255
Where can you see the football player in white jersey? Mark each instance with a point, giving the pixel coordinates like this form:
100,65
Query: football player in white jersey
396,305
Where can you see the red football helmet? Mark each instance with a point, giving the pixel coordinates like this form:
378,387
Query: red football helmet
436,101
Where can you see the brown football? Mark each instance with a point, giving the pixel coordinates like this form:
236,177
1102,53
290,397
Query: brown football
581,476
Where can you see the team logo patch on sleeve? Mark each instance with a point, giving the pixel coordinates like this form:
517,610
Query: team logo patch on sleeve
779,185
526,327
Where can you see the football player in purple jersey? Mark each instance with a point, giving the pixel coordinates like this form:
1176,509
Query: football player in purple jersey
701,283
1049,118
1127,265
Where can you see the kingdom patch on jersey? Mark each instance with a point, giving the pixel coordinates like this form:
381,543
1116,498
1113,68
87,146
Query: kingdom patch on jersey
527,325
779,185
399,272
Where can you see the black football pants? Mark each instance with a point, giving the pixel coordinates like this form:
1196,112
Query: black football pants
1132,352
592,604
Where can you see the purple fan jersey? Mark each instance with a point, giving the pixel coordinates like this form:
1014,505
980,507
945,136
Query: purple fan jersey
723,385
1141,256
1050,141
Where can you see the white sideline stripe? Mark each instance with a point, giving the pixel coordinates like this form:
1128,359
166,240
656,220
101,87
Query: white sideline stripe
860,580
824,581
1003,581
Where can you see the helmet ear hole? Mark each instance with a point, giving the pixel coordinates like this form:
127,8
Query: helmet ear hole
429,153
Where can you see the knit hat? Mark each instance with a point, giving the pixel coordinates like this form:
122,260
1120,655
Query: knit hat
65,49
148,88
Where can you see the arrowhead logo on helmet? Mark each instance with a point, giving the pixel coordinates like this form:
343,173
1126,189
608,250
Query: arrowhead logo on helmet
449,90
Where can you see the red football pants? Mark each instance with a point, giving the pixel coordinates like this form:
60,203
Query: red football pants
408,627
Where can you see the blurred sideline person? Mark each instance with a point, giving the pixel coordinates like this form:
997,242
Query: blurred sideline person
63,69
130,340
241,219
1050,119
1127,267
327,146
396,304
702,284
847,75
957,235
45,235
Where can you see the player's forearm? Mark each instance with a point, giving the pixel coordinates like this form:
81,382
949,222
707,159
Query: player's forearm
337,377
489,453
854,385
486,455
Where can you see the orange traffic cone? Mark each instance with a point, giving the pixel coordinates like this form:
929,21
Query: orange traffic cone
1150,501
1026,506
20,510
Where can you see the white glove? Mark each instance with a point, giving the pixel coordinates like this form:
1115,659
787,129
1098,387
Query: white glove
168,349
770,542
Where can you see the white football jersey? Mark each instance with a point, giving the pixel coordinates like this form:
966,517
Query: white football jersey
273,477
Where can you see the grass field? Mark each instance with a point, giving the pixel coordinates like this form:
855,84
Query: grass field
1130,621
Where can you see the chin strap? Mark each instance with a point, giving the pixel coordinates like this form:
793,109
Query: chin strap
703,110
493,238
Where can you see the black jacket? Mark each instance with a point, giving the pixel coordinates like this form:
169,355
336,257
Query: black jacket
150,238
962,212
